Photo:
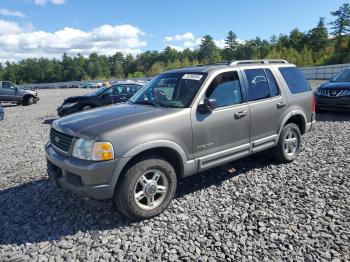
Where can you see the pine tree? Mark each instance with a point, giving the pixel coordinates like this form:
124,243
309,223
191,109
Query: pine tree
208,51
341,26
318,36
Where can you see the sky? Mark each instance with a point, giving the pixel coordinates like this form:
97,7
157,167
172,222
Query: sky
48,28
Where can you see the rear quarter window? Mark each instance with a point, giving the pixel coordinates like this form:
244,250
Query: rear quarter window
295,80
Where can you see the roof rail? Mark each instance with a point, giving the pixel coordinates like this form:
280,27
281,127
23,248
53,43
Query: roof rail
213,64
259,61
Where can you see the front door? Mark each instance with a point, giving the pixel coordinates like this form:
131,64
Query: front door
119,94
223,134
8,92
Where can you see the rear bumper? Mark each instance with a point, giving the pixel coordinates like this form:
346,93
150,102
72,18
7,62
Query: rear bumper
310,125
86,179
333,103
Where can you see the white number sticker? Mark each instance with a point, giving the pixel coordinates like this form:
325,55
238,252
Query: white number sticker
192,77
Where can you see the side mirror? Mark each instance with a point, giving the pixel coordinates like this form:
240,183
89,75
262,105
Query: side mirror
209,104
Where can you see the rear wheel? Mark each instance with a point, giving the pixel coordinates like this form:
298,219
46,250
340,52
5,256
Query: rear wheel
146,189
289,142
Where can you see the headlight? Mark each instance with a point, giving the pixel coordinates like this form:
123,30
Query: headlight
69,104
91,150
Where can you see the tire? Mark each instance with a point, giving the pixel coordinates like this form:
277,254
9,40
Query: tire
84,108
28,101
131,185
289,142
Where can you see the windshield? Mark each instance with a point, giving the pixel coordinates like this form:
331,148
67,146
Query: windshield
343,76
170,90
98,91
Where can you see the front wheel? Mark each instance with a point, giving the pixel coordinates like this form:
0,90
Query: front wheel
289,142
146,189
28,101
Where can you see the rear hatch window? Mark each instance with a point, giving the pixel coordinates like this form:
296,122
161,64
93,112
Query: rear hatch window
295,80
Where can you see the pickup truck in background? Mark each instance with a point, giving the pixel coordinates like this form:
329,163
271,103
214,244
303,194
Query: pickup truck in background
10,93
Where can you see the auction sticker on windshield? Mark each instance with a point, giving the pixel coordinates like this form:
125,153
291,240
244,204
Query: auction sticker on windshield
192,77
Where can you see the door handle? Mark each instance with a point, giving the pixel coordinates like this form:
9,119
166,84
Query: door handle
241,114
281,104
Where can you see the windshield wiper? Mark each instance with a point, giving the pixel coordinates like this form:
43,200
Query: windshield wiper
146,102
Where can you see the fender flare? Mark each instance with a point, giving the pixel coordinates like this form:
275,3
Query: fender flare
291,114
156,144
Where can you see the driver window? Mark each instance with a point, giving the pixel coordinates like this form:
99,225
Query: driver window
8,85
108,92
225,89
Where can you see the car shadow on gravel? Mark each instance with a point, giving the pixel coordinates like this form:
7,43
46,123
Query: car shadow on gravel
38,211
333,116
219,175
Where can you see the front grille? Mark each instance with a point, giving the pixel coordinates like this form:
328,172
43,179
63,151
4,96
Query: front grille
334,93
60,140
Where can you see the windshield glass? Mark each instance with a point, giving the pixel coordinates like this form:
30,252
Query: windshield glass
170,90
343,76
98,91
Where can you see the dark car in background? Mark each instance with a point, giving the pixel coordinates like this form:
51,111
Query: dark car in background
10,93
335,94
2,113
117,93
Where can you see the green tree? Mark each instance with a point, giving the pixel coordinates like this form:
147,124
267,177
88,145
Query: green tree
208,51
297,39
231,45
318,36
341,25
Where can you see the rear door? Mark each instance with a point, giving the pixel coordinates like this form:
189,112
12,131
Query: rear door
267,105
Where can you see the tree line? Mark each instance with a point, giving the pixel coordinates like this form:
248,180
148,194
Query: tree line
317,46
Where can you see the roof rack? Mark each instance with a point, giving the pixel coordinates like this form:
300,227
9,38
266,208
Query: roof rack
212,64
259,61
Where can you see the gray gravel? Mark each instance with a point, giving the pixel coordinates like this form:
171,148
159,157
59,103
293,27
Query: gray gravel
250,210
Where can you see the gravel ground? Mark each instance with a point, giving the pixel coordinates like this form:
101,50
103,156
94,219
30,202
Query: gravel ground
250,210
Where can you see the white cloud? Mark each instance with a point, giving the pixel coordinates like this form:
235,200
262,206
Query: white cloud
22,41
7,12
220,43
188,40
185,37
43,2
9,27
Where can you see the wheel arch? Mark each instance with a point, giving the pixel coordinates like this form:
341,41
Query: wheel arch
297,117
168,150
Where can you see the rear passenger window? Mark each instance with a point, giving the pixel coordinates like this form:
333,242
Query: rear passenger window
272,83
295,80
258,87
225,89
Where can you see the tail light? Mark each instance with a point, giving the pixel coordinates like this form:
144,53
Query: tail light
313,104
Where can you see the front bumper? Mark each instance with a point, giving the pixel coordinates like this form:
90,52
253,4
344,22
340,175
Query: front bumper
86,179
333,103
61,111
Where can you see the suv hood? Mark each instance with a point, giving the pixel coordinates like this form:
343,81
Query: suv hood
74,98
92,123
336,85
